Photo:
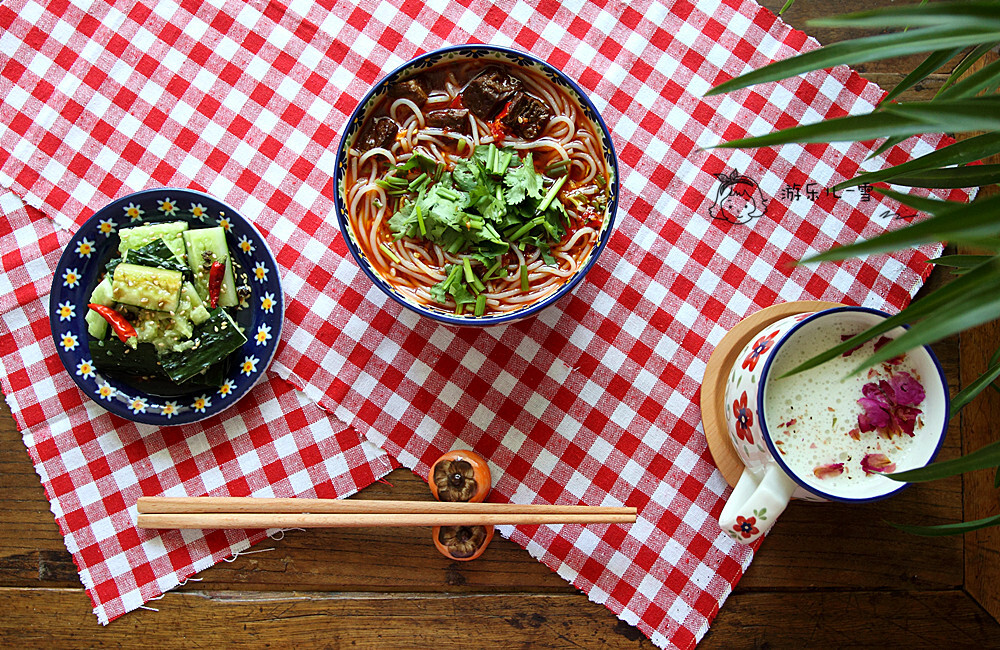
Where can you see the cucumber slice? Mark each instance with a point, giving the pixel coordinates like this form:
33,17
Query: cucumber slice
207,245
114,356
171,233
215,339
192,305
157,255
97,327
146,287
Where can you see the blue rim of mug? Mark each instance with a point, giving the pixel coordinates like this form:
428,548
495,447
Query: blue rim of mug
440,316
767,434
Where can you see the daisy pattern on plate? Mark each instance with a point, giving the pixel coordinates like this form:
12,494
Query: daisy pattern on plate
224,221
263,334
106,391
201,403
260,272
106,227
167,206
267,302
249,365
85,369
227,388
138,405
245,245
66,310
169,409
133,212
198,210
85,248
71,278
70,341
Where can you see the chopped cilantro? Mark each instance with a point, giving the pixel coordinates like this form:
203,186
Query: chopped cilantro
485,204
523,181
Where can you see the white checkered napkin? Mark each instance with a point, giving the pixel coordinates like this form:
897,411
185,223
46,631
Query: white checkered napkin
94,466
593,401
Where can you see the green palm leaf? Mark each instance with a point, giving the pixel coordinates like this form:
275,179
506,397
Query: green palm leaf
960,153
985,13
951,177
953,116
953,221
970,310
981,80
931,64
982,458
970,59
885,146
948,529
943,299
973,114
960,261
979,385
862,50
842,129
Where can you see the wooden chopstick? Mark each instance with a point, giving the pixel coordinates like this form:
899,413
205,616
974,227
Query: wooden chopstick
246,512
298,520
190,505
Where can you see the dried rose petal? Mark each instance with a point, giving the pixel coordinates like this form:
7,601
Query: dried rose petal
876,405
877,464
890,406
906,389
844,337
880,343
855,434
829,470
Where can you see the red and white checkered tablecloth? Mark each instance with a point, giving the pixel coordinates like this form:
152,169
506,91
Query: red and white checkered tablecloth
594,401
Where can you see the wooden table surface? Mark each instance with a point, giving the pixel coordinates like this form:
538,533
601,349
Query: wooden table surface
828,574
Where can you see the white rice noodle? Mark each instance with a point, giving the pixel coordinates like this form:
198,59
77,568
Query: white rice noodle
402,101
439,97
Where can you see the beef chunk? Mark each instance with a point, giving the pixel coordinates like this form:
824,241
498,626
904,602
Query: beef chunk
527,116
380,132
414,89
455,119
486,94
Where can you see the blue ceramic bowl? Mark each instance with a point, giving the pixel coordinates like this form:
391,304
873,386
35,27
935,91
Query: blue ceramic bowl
82,264
485,53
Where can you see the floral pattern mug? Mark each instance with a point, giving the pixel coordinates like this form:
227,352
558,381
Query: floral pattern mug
767,483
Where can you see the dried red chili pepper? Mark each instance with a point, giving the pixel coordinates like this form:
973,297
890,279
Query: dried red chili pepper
215,282
497,127
118,323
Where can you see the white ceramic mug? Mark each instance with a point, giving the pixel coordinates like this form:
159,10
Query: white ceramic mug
768,482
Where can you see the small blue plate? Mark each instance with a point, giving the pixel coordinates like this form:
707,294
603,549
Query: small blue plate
82,265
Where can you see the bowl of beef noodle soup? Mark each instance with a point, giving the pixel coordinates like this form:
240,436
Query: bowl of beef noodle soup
476,185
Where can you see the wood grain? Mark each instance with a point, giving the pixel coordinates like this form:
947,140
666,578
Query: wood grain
199,618
979,422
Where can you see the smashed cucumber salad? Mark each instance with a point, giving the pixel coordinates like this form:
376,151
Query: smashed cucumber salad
163,311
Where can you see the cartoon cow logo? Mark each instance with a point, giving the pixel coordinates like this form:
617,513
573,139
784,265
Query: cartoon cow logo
738,199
